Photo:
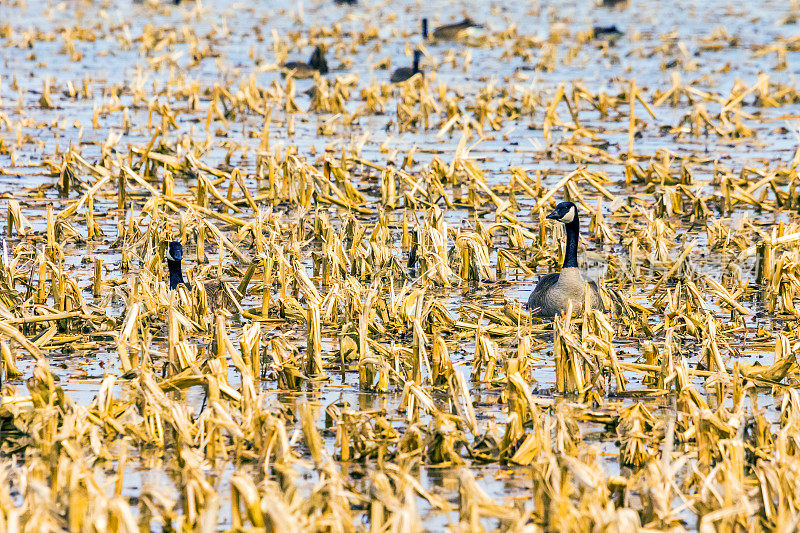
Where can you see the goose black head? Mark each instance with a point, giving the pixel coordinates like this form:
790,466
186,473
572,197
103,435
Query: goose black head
174,255
318,61
174,251
564,212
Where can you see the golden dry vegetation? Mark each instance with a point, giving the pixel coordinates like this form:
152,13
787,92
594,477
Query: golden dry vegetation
369,365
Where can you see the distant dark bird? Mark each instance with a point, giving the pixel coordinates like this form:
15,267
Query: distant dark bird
612,3
606,33
412,253
174,257
345,2
406,73
218,294
452,32
316,64
555,291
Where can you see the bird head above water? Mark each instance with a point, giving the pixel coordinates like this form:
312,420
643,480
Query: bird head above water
318,61
565,212
417,58
174,255
174,251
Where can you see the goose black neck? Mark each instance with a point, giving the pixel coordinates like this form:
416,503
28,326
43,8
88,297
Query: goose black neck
416,63
424,28
175,274
573,233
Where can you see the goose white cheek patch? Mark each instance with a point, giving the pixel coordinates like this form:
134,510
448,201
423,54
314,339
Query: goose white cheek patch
169,256
570,216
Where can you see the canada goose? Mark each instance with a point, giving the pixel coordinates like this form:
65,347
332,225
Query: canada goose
405,73
218,294
316,64
554,291
174,255
424,29
606,33
452,32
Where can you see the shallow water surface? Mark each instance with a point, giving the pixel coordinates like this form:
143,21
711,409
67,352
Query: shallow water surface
130,64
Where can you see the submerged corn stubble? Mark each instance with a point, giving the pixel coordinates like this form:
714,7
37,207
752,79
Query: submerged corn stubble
351,351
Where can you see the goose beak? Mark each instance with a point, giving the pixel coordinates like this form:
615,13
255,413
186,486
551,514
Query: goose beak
553,216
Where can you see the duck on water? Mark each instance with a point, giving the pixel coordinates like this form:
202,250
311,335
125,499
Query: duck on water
316,64
406,73
555,291
450,32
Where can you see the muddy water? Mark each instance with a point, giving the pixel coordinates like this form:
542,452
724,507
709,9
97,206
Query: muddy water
660,39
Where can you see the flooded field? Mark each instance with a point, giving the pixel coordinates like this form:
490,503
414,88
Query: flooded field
350,349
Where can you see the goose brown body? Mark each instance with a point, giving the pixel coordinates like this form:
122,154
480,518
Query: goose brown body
554,292
452,32
316,64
